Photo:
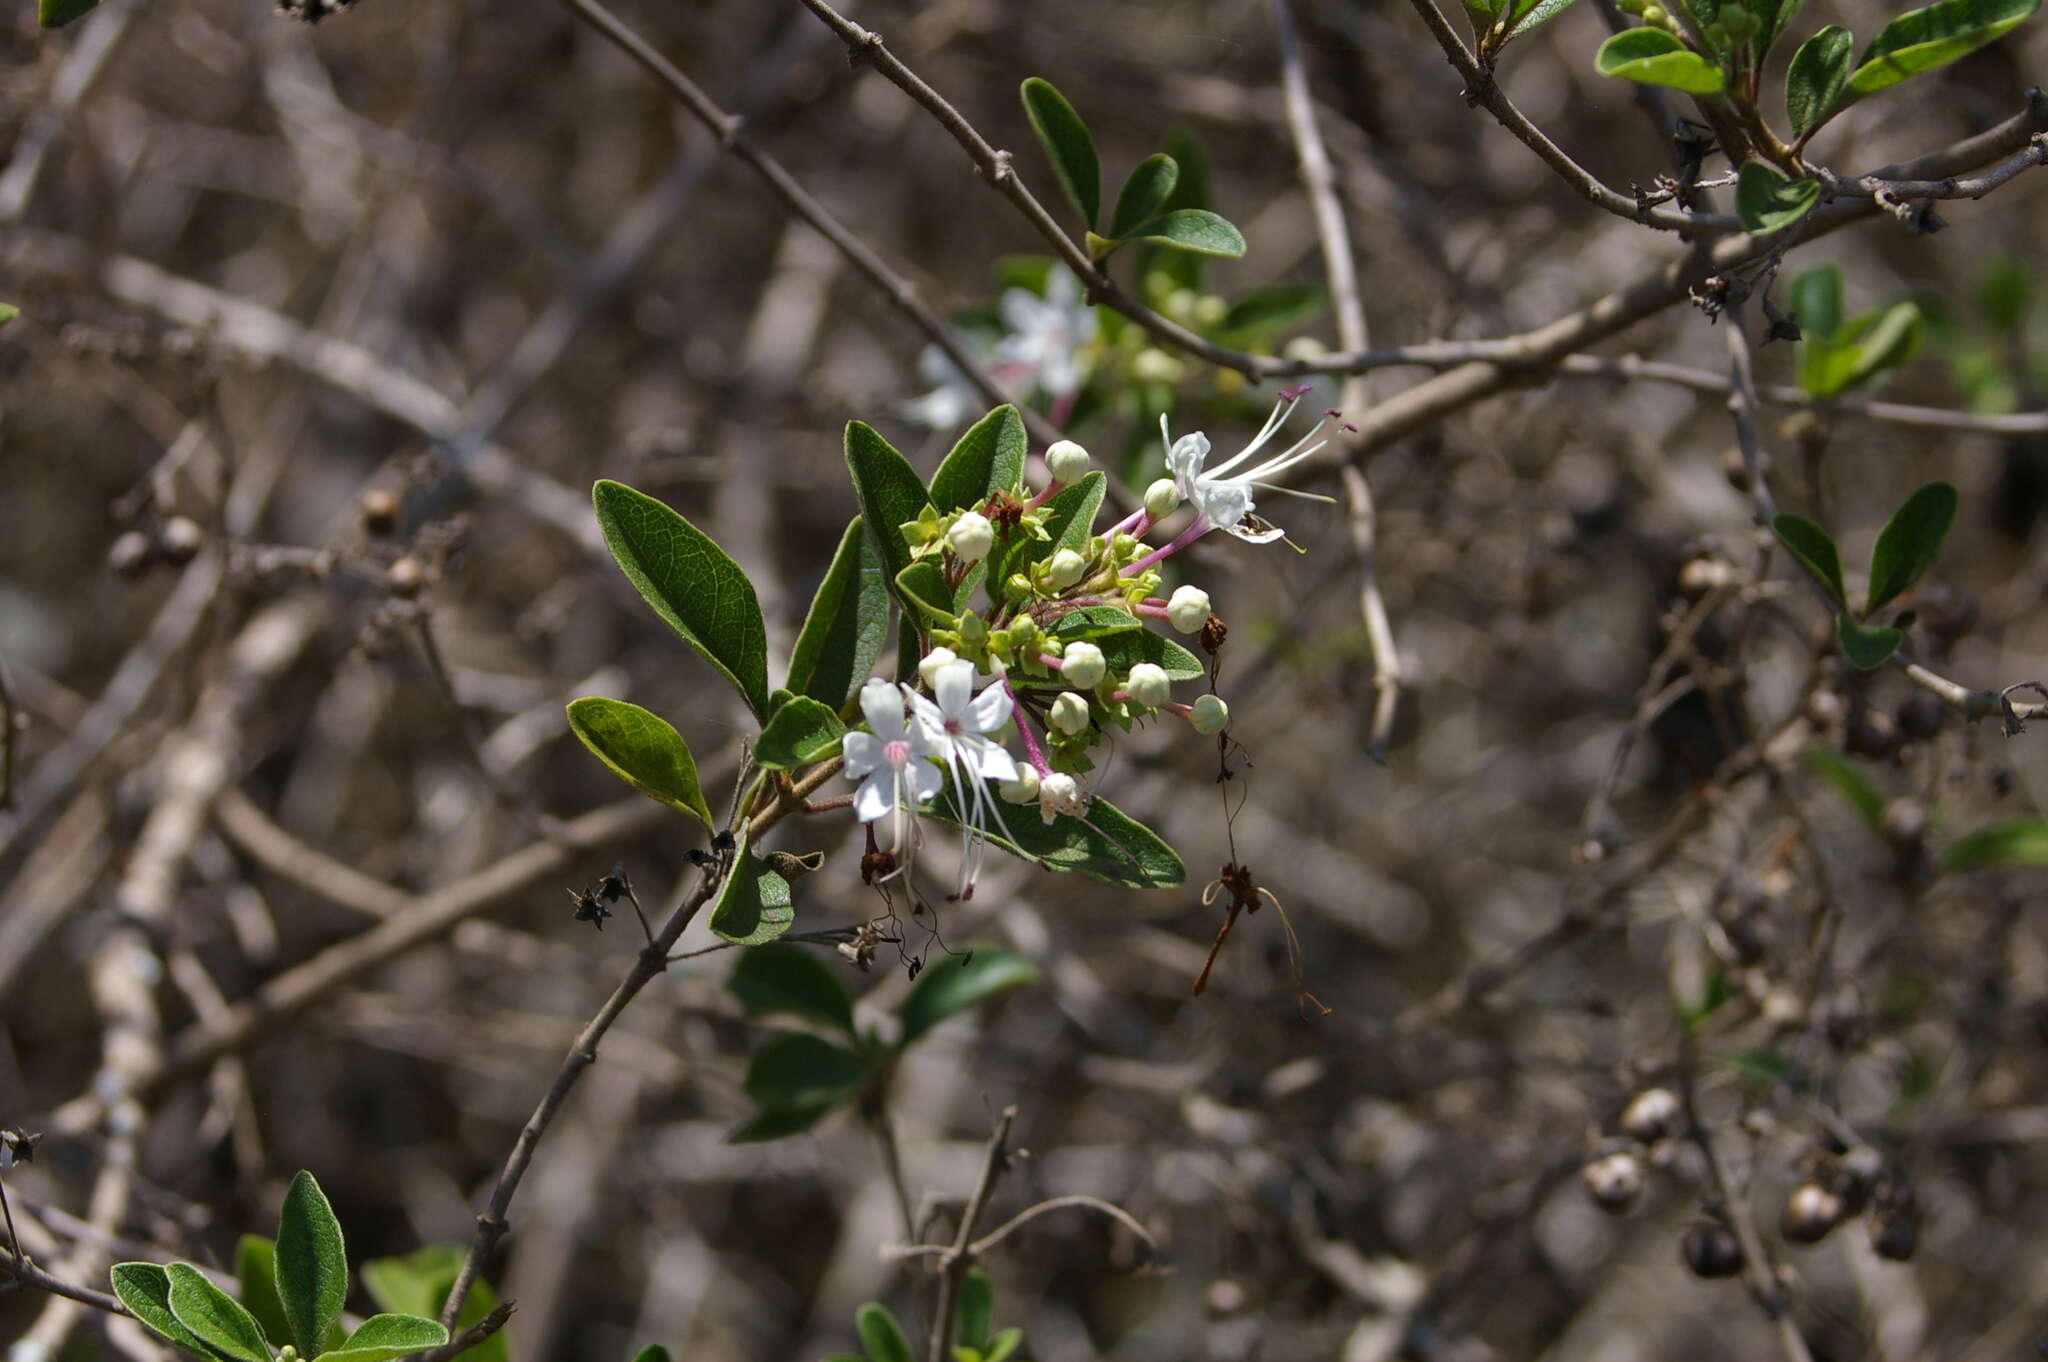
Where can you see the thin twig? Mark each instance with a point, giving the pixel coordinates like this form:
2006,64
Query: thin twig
955,1261
470,1337
10,728
1742,406
1092,1203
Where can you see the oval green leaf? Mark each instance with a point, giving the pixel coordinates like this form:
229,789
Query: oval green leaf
418,1284
794,1069
889,491
880,1334
954,983
312,1264
1650,56
653,1352
1773,15
977,1308
1067,145
1004,1345
1768,202
211,1314
1816,299
384,1338
1810,544
256,1269
57,13
1923,39
691,583
783,978
847,625
1867,649
1104,844
1873,343
1192,229
145,1288
1910,541
753,904
803,731
2010,841
1531,14
1813,84
644,750
988,458
1144,194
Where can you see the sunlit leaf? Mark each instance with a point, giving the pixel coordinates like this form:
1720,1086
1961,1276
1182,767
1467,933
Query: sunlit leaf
2011,841
1923,39
847,625
1650,56
1067,145
644,750
1814,82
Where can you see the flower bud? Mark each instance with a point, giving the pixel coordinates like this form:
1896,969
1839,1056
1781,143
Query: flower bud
1064,569
1811,1211
1066,461
1084,665
1653,1114
933,660
1162,498
1022,790
1615,1182
1209,715
1187,610
1060,793
1148,684
971,537
1156,366
1069,713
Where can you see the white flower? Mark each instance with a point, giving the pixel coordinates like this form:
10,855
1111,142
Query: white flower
1069,713
1209,715
892,764
953,398
1149,684
933,660
956,722
1046,334
1066,461
1223,502
1083,665
1060,793
971,537
1187,609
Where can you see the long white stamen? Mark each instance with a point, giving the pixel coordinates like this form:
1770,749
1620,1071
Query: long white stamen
1281,411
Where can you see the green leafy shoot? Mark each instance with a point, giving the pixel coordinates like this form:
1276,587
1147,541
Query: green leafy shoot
1816,79
1910,542
1768,202
1650,56
1810,544
312,1266
1067,145
212,1314
880,1334
1191,229
1144,194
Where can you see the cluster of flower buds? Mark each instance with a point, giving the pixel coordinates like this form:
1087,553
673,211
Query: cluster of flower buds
1028,593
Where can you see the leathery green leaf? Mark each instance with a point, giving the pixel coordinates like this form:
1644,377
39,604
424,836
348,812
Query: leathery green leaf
644,750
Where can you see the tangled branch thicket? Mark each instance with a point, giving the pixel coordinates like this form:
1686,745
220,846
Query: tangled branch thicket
1683,980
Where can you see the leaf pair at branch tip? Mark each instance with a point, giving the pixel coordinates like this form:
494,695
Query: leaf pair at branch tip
1906,548
1651,56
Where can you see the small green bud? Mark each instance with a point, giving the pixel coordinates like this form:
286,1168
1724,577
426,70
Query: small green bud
973,631
1209,715
971,537
1017,587
1069,713
1162,498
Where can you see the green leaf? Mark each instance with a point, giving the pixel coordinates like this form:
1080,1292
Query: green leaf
890,494
1070,518
1650,56
1773,15
57,13
1094,622
644,750
1849,783
1192,229
383,1338
1532,14
1813,84
793,1069
1067,145
1816,300
1867,649
1124,651
2010,841
1144,194
1269,309
211,1314
977,1306
698,591
753,905
1180,269
1910,541
256,1269
988,458
776,1123
803,731
954,983
1860,351
847,625
2005,293
8,312
782,978
653,1352
880,1334
1811,545
1482,13
1004,1345
1104,844
145,1288
1923,39
312,1266
1768,202
418,1284
922,587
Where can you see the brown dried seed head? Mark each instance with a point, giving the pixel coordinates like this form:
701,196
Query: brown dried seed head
1615,1182
405,577
179,539
1811,1211
1652,1115
379,511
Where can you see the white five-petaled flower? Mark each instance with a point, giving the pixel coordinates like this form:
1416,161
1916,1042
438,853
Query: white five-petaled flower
955,723
1046,334
1221,501
892,764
